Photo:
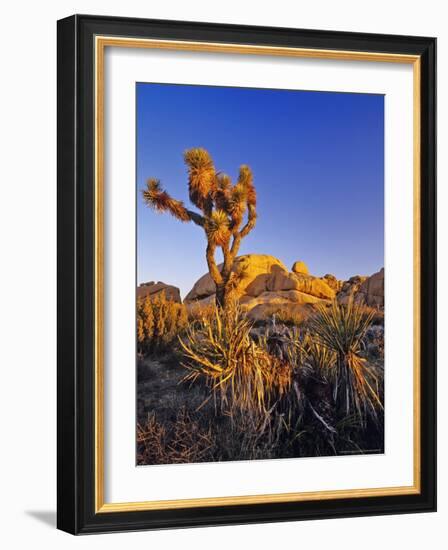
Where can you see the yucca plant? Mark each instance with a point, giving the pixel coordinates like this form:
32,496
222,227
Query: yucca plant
227,212
320,358
341,329
243,377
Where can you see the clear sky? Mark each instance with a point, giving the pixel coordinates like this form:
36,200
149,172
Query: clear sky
318,165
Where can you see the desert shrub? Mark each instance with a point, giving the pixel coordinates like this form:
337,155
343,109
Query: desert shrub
285,314
159,322
244,377
356,384
200,312
279,314
290,317
178,442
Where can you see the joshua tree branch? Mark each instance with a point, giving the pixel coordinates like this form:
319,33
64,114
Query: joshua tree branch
161,201
251,220
196,218
235,245
238,236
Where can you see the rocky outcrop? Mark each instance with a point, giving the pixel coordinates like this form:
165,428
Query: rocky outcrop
350,288
264,285
372,290
314,286
153,289
364,290
333,282
261,281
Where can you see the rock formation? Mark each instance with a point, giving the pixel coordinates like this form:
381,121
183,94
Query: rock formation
350,288
262,282
264,285
364,290
153,289
372,290
332,282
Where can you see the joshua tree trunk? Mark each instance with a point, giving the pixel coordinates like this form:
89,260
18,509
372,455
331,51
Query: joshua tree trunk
221,295
220,278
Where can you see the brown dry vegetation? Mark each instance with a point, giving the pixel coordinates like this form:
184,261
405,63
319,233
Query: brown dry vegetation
159,323
225,390
182,441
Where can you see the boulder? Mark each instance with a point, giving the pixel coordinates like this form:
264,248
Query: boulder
251,275
279,280
153,289
314,286
203,288
300,267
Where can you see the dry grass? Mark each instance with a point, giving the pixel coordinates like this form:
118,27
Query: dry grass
184,441
290,317
201,312
159,322
283,314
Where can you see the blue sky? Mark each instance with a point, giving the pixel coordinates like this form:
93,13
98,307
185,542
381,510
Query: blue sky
318,165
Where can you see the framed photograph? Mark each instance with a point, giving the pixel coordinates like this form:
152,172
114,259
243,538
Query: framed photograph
246,274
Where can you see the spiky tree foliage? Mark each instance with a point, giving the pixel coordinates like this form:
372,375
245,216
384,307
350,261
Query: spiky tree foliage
227,211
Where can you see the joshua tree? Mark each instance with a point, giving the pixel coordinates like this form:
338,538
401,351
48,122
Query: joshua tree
228,211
